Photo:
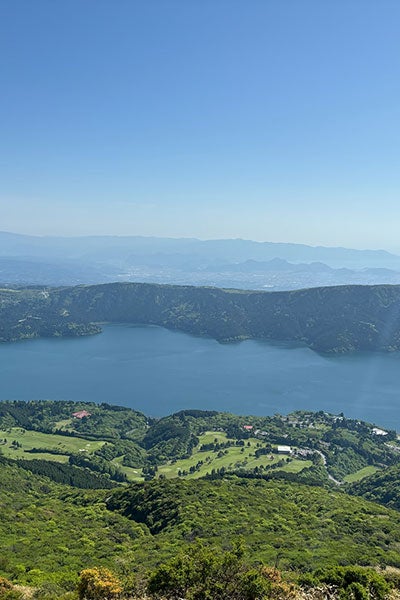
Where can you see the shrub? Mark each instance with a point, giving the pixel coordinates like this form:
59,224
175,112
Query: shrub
8,591
98,583
208,574
5,584
355,583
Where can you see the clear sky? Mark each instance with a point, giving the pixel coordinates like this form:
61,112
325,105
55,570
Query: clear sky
264,119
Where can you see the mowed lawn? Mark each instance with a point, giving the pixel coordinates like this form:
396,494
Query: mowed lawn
46,441
234,457
358,475
130,472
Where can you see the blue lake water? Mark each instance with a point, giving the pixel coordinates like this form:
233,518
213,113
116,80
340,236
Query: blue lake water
159,372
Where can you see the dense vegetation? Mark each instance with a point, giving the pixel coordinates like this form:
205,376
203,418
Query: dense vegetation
207,485
207,573
332,319
106,420
49,532
382,487
67,474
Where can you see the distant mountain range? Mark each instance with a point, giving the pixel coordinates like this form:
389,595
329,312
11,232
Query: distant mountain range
243,264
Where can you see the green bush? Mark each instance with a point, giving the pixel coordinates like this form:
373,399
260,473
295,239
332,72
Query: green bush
204,573
355,583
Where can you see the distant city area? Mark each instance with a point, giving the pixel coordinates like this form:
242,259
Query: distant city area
241,264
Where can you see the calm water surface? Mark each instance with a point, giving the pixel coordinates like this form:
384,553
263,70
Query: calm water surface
159,371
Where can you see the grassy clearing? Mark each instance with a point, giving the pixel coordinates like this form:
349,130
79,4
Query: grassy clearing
296,465
64,424
358,475
132,474
209,437
46,441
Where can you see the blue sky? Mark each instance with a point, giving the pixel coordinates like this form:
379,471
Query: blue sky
270,120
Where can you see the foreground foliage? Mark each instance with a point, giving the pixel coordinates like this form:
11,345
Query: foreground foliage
289,513
206,574
50,532
98,583
352,583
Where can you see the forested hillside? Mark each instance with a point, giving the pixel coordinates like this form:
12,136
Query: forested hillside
50,532
332,319
260,505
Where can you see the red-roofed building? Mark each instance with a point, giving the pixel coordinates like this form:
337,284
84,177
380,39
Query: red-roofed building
81,414
248,427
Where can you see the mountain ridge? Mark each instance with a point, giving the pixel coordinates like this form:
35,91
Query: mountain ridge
227,246
331,319
230,263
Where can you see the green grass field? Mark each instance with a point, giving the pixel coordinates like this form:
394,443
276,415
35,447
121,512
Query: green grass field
358,475
132,474
235,457
296,465
47,441
64,424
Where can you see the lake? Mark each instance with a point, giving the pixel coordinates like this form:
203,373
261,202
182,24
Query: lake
158,371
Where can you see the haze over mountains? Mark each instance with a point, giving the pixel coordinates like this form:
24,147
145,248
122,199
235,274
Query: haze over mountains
243,264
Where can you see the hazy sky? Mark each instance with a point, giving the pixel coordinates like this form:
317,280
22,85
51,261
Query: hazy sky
273,120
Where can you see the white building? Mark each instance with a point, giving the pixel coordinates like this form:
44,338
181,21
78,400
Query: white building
284,450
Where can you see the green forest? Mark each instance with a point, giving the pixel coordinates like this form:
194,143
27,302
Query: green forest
113,504
331,319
